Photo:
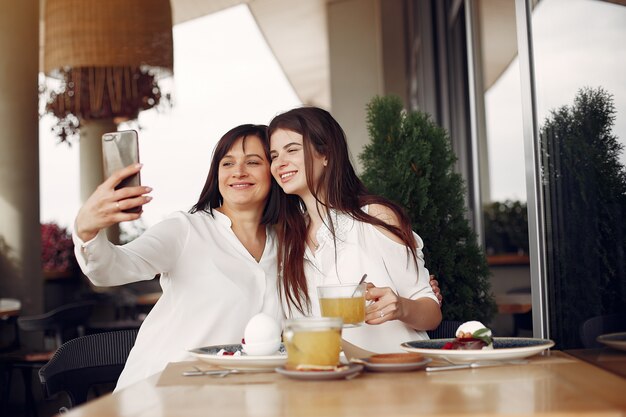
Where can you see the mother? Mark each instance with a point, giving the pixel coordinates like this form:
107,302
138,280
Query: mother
217,263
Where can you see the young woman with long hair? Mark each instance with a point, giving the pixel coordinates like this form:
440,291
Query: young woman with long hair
331,230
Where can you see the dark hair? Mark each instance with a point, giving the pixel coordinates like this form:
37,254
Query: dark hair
211,198
339,185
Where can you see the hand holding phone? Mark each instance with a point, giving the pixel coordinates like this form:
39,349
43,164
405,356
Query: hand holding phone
119,150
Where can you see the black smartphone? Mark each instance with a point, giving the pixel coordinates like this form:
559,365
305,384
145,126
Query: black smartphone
119,150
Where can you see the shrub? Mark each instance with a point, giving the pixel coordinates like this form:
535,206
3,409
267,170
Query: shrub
410,161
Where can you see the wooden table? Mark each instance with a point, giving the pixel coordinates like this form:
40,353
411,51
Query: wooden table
552,385
612,360
9,307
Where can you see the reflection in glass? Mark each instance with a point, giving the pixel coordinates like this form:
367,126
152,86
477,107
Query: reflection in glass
581,102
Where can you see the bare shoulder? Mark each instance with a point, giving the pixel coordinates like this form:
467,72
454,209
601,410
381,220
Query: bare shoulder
388,216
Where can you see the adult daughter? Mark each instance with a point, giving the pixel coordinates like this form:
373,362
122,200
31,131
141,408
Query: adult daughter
331,230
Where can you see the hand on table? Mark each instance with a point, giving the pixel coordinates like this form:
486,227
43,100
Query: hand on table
105,206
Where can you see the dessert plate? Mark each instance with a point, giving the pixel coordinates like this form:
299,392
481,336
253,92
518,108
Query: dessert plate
241,362
504,348
349,372
613,340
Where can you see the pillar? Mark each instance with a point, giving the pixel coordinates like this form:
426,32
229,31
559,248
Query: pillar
20,236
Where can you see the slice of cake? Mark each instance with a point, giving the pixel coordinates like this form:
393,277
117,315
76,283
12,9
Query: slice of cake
471,335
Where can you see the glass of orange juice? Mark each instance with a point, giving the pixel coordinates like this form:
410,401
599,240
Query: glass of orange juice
312,343
345,300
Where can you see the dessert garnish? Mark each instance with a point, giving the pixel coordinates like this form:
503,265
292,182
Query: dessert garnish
224,352
471,335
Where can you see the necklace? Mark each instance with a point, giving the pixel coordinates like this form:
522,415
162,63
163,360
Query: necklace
314,244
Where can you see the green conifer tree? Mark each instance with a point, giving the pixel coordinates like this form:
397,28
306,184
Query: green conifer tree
585,193
410,161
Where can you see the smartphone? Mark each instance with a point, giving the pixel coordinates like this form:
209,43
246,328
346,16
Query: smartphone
119,150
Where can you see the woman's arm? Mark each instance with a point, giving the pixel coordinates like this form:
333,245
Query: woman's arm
105,206
155,251
414,302
421,314
106,264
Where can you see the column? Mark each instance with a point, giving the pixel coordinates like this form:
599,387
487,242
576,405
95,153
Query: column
355,66
20,236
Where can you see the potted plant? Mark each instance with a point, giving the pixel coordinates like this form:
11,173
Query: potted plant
410,161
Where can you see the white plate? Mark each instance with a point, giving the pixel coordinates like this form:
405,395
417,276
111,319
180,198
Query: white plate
243,362
505,348
614,340
394,367
352,369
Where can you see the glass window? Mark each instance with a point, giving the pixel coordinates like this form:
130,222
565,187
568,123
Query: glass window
504,188
580,62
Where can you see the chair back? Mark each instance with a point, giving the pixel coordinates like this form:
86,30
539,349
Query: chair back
67,317
598,325
87,361
446,330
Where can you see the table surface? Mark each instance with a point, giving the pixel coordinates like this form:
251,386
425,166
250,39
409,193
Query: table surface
554,384
9,307
612,360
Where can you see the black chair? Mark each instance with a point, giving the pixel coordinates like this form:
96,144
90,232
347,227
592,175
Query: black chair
62,323
445,330
598,325
86,361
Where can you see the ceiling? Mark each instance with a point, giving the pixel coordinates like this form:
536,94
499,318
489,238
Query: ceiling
296,32
302,54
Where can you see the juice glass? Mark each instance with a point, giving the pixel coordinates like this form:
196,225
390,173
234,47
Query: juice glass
345,300
312,342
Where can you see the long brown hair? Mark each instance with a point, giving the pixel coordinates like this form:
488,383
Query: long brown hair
341,189
211,198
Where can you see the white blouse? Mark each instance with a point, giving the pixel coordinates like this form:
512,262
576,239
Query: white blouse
211,284
364,249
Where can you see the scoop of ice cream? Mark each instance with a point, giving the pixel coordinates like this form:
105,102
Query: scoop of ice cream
470,327
261,336
475,330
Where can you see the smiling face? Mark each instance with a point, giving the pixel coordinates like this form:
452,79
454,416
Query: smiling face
289,165
244,176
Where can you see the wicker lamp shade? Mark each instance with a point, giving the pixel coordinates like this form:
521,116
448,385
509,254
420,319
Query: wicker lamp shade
108,55
107,33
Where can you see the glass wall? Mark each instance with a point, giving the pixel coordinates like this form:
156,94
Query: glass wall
580,62
503,173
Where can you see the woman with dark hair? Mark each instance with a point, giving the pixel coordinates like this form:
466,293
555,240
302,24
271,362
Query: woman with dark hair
217,262
331,230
